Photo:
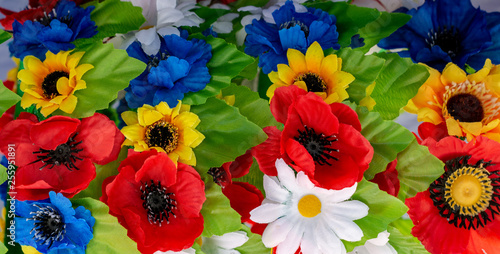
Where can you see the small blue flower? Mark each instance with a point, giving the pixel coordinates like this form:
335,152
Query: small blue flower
448,31
294,30
179,67
52,225
55,32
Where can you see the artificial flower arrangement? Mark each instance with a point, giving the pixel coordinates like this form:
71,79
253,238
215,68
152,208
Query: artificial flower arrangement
249,127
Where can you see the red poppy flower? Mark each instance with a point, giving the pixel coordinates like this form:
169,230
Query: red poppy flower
243,197
429,130
322,140
158,203
459,213
36,9
388,180
57,154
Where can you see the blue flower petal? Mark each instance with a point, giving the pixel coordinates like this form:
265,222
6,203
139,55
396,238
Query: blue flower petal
177,46
178,68
197,79
170,96
293,38
159,77
325,34
492,52
270,60
25,40
63,205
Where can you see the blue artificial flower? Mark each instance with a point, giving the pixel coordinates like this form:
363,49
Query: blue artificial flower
55,32
179,67
444,31
52,225
293,30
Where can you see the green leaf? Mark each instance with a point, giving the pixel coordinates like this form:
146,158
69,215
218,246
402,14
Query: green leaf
3,249
405,243
109,235
350,18
256,3
254,244
112,72
380,28
7,98
417,169
4,36
264,84
3,174
383,209
210,15
251,105
387,138
397,83
226,63
102,172
228,134
219,217
112,17
364,68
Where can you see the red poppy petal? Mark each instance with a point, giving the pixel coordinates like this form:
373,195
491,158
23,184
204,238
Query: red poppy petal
429,130
268,152
28,116
105,183
486,239
136,159
16,136
158,167
282,99
341,174
241,165
388,180
189,191
243,198
300,157
484,148
101,139
50,133
447,148
346,115
353,144
434,231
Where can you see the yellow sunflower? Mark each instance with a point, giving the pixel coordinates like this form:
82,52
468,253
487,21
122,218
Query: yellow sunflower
51,84
168,130
313,72
468,104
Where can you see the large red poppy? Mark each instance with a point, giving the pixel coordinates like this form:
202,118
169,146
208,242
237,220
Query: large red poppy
158,203
58,154
322,140
443,221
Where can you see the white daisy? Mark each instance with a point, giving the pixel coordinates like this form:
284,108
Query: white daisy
302,214
379,245
224,244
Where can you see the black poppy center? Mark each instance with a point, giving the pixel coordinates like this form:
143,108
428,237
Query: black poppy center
314,82
219,176
158,203
447,38
49,84
294,22
49,225
467,195
162,134
65,154
317,145
465,108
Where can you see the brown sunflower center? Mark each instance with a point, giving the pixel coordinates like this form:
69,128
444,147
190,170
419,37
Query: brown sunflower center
64,154
313,82
162,134
448,39
159,203
318,145
465,108
49,84
467,195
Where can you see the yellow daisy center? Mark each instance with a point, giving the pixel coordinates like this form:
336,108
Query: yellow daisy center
313,82
469,190
470,102
309,206
49,84
162,134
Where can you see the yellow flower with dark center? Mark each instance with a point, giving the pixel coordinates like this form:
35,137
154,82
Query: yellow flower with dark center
313,72
51,84
468,104
169,130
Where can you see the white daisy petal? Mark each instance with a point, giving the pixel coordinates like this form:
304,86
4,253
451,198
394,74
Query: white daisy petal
292,240
304,181
344,228
274,191
352,209
341,195
277,231
267,213
150,42
231,240
328,242
308,244
286,175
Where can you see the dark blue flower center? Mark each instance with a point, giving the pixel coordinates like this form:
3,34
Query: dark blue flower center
64,154
49,225
159,203
154,61
313,82
293,23
162,134
465,108
318,145
49,84
448,39
48,17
